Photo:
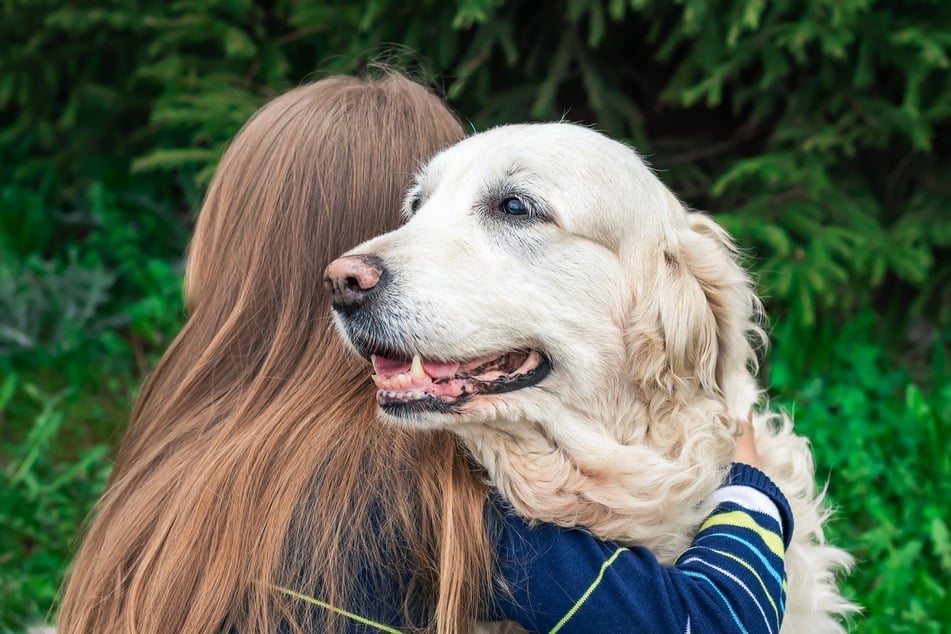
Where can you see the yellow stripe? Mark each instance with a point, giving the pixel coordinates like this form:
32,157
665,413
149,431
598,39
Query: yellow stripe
587,593
744,520
327,606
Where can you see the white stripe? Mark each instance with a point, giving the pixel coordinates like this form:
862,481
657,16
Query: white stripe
749,498
739,582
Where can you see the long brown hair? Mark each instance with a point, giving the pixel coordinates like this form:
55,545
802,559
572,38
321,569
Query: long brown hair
253,458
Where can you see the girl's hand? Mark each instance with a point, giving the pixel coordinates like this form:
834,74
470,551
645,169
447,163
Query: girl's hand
745,445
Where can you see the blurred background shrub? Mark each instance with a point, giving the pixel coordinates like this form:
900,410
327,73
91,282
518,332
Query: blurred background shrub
816,130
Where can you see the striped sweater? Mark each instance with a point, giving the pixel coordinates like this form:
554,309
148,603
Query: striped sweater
731,579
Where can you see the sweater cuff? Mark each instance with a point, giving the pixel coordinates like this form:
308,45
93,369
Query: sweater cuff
749,476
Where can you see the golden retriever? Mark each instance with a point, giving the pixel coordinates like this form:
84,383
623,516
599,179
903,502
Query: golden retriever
588,338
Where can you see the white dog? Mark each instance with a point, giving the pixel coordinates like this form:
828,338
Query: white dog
553,304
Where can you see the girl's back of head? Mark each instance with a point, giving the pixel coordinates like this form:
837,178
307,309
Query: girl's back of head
253,458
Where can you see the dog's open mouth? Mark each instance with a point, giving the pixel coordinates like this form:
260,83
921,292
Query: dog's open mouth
417,384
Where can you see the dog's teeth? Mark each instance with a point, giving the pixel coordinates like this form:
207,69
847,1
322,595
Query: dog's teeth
416,371
403,381
379,381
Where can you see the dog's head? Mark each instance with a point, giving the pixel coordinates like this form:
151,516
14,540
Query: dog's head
543,262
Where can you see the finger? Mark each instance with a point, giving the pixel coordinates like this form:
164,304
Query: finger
744,428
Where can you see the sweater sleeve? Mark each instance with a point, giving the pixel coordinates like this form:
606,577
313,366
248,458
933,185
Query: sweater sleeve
731,579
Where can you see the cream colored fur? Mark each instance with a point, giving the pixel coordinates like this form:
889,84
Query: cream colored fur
650,325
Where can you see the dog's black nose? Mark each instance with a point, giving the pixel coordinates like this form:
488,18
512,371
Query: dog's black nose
351,279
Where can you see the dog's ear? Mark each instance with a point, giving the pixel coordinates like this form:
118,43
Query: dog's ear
706,310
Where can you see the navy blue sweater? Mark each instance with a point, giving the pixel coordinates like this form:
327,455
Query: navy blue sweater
731,579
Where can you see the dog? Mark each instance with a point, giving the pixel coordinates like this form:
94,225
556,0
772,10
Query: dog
591,341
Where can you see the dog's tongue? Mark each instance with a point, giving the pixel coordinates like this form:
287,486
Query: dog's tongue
391,366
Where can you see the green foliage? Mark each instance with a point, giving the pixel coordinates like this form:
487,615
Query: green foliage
815,129
43,501
78,326
884,444
813,126
114,292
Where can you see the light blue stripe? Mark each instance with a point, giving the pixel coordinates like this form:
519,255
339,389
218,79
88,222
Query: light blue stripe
756,551
753,570
729,575
736,619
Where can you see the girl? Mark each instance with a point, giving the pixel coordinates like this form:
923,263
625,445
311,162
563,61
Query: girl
255,490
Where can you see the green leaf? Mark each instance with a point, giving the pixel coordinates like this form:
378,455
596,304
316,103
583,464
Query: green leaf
170,159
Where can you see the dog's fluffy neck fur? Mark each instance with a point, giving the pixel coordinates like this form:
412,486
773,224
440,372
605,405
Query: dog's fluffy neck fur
644,488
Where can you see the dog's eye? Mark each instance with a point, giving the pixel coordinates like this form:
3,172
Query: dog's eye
415,202
513,207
